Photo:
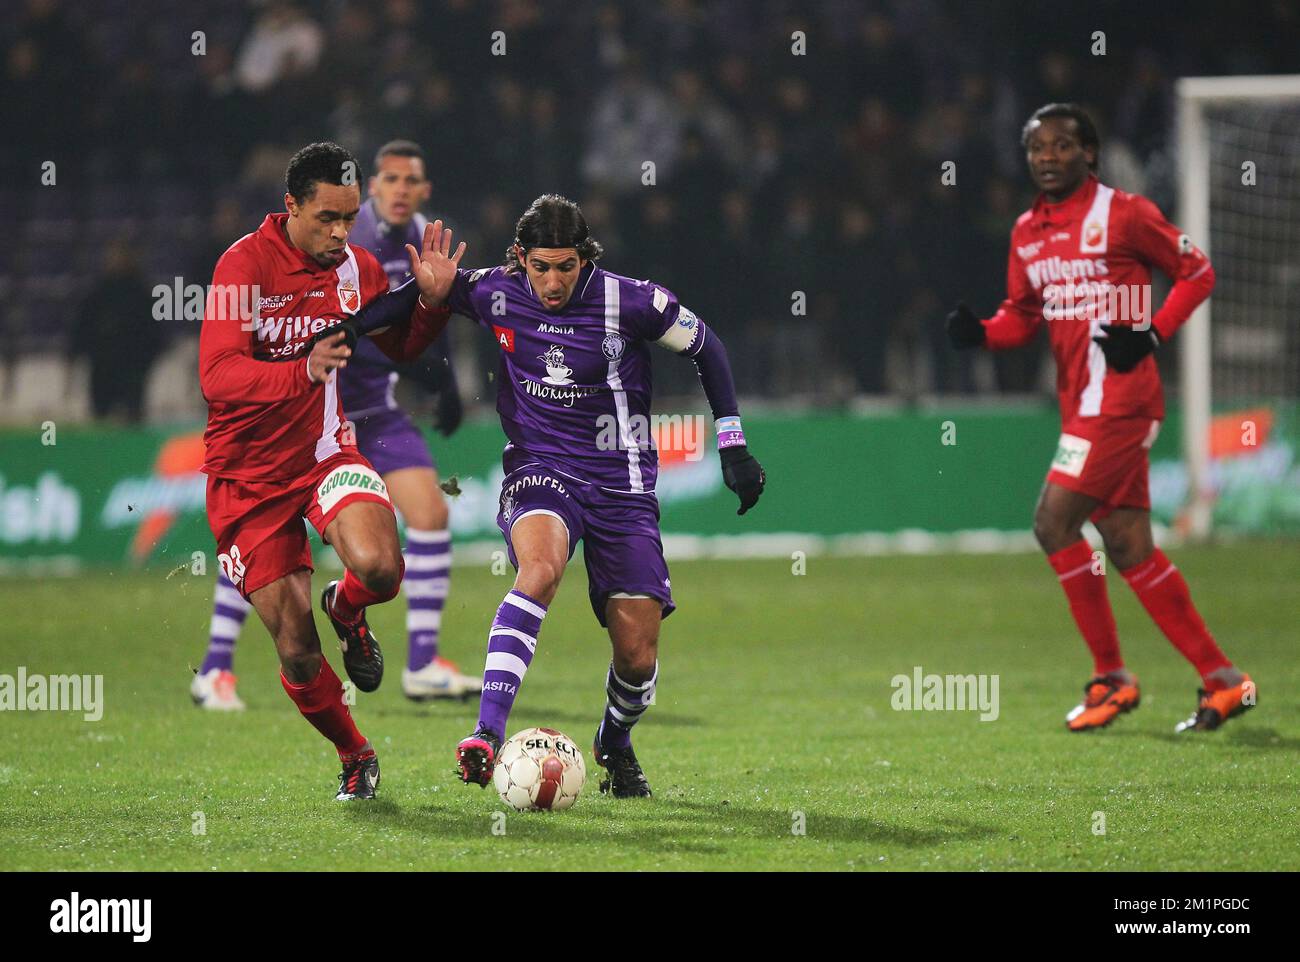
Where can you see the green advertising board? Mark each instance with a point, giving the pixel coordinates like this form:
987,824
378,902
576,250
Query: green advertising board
109,496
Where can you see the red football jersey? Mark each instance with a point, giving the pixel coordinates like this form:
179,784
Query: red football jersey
1086,262
266,420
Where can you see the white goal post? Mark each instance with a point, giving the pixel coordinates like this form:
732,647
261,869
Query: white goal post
1197,97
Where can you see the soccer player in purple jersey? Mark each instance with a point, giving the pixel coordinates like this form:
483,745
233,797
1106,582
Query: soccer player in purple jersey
574,374
386,223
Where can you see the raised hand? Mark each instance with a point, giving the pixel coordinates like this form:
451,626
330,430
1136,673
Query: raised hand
434,265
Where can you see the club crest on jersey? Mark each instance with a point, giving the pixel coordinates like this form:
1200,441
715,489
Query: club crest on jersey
557,372
505,338
613,346
349,296
1093,235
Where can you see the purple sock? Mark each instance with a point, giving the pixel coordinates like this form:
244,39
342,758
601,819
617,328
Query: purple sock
229,609
625,703
511,643
428,577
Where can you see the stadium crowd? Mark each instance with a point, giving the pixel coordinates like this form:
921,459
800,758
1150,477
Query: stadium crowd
784,162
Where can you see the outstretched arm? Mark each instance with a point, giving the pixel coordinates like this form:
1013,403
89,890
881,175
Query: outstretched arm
407,319
1016,322
741,472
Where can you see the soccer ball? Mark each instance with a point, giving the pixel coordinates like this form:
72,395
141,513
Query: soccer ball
539,769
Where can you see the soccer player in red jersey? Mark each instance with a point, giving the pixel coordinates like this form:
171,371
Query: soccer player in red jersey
278,445
1081,260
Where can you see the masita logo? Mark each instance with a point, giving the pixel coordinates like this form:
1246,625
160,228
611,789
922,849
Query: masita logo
76,915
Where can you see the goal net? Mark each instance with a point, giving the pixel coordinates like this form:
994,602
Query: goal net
1239,163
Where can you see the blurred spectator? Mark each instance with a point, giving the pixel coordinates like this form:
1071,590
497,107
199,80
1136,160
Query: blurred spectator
776,169
284,42
632,122
115,330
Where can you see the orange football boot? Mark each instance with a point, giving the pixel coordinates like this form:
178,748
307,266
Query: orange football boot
1104,698
1216,707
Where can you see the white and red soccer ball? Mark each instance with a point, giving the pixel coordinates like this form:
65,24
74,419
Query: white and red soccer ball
539,769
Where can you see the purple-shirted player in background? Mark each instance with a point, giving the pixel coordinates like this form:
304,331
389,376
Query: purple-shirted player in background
387,221
574,373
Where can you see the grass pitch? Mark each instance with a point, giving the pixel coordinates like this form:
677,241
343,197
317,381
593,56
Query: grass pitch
774,714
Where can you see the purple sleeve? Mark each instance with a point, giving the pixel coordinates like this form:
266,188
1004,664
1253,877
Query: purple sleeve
461,298
710,357
395,307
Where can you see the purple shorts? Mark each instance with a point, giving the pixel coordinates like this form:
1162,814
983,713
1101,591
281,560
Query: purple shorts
389,441
619,532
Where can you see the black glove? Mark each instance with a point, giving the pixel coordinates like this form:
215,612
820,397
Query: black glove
450,411
1125,346
347,328
965,329
742,473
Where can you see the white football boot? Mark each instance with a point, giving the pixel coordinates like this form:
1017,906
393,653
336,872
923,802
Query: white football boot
215,690
440,678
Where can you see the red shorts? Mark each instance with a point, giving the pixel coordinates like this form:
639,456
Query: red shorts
1106,459
259,524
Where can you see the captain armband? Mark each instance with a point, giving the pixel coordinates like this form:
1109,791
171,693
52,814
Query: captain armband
686,333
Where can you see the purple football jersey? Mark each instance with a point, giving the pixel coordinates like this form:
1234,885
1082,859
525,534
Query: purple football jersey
575,385
366,384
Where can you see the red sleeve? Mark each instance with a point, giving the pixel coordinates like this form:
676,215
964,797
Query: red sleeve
1020,315
407,342
227,369
1160,244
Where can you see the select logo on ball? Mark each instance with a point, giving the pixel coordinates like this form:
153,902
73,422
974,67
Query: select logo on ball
539,769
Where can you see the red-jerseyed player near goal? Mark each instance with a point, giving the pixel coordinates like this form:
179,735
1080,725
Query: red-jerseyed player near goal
1081,260
279,447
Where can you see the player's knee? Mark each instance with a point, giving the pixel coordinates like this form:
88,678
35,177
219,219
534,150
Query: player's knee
1119,547
379,570
437,515
635,663
431,516
541,574
384,577
1126,550
1045,530
300,666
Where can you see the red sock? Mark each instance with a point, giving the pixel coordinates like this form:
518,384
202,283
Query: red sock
1163,593
351,597
1089,604
321,703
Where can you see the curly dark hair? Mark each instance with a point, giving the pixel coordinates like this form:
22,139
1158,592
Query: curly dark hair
1087,129
552,221
325,162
